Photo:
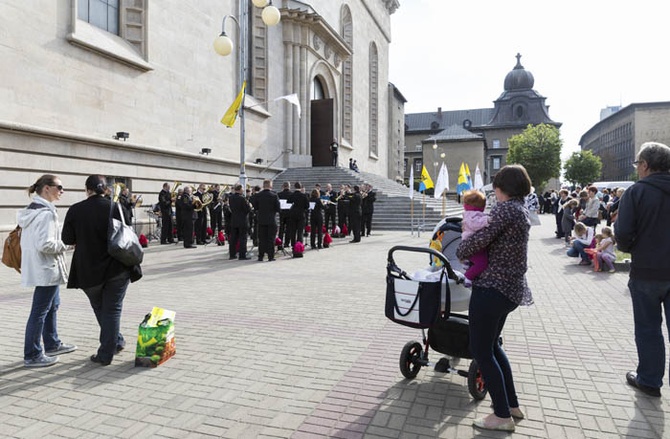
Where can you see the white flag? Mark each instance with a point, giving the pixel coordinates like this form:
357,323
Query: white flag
479,183
293,99
442,182
411,181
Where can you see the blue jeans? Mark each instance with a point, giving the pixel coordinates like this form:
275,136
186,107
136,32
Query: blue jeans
107,303
42,323
488,312
577,249
648,296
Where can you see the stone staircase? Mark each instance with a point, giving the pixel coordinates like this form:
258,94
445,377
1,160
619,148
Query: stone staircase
392,208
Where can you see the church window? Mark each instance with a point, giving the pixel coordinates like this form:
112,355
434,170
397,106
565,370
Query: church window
418,165
495,162
374,100
496,143
347,77
100,13
519,111
434,125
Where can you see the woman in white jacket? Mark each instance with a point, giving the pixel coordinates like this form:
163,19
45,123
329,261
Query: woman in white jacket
43,267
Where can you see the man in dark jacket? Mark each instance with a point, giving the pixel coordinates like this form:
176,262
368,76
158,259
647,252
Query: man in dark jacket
266,204
186,211
299,207
239,223
641,228
355,214
285,194
368,208
165,204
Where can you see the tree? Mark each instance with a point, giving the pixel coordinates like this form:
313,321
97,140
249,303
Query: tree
538,149
583,167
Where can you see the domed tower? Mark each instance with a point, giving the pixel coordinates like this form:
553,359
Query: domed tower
520,105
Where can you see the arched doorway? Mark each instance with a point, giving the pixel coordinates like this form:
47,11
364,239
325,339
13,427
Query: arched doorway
322,126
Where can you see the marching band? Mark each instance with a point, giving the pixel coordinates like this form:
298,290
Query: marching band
182,213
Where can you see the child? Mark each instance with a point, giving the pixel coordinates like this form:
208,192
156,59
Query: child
568,220
605,250
474,219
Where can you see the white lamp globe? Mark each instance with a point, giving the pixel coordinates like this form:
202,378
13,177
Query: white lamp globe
260,3
271,16
223,45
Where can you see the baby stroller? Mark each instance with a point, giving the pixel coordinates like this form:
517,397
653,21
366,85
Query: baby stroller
430,300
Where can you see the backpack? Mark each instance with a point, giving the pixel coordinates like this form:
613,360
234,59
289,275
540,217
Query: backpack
11,252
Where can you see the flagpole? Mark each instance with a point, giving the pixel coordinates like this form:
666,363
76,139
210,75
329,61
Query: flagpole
444,203
423,219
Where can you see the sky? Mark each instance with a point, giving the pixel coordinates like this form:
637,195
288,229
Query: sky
584,55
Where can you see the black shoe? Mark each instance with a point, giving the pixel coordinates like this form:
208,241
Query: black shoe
232,257
191,246
244,258
260,259
631,378
355,240
96,359
271,260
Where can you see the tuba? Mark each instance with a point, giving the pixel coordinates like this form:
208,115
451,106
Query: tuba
207,198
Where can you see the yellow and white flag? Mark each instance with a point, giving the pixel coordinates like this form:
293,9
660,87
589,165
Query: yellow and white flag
230,117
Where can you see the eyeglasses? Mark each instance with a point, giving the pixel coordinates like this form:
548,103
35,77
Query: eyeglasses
57,186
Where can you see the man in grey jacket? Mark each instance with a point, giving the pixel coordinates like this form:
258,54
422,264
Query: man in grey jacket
641,228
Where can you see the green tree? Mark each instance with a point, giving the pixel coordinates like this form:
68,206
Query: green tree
538,149
583,167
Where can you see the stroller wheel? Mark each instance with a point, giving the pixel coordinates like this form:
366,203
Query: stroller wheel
409,359
476,384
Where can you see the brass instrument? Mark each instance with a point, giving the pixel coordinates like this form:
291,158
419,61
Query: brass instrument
173,191
207,198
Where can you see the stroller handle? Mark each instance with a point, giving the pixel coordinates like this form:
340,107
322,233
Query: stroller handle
427,250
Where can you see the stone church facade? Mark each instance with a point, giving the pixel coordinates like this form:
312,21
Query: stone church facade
478,136
73,80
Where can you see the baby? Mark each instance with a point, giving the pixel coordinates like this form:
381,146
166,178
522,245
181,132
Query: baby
474,219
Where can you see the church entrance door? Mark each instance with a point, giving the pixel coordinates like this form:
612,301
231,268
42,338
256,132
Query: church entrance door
322,131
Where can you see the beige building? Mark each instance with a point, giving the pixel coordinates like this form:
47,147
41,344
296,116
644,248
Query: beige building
616,139
475,137
81,71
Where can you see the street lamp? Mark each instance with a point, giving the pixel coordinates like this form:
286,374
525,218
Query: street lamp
224,46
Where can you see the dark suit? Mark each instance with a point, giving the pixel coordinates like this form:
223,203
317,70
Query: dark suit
368,208
343,211
316,223
215,213
239,226
103,278
299,207
186,210
283,218
200,222
355,215
330,211
266,203
165,204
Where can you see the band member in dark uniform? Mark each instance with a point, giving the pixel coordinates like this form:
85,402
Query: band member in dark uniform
266,204
165,204
330,208
201,218
253,220
316,220
355,214
227,216
299,205
368,208
285,194
126,205
215,212
239,223
187,211
342,207
179,220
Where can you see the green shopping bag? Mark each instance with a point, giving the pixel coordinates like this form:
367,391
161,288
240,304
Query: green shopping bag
155,338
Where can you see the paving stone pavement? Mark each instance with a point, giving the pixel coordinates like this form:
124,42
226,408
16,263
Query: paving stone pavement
301,348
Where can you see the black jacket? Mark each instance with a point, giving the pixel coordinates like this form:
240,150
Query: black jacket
239,207
266,203
85,226
355,204
641,227
299,204
165,200
367,203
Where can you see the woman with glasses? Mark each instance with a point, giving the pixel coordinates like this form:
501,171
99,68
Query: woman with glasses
43,267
